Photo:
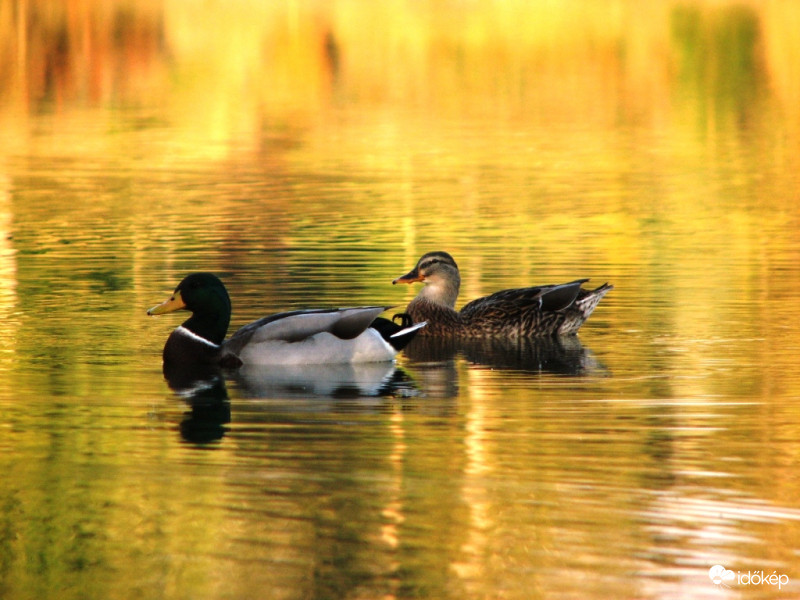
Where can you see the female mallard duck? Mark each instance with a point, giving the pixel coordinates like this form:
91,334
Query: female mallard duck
344,335
526,312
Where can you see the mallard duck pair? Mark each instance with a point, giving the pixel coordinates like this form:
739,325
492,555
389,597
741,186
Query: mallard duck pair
350,335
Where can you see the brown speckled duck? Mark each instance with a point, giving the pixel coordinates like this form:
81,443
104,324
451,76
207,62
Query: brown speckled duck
526,312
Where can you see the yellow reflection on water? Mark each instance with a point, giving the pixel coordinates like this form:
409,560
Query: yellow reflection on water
8,274
221,74
471,563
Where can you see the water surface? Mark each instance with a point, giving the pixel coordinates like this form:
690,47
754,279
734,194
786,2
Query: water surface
309,154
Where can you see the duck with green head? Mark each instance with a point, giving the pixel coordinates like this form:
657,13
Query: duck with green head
314,336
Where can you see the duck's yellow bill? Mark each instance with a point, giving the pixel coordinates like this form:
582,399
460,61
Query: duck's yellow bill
173,303
409,277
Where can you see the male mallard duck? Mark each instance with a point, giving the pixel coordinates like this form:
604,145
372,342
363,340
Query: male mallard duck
318,336
525,312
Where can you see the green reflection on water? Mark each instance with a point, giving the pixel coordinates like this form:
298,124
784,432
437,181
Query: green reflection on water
721,62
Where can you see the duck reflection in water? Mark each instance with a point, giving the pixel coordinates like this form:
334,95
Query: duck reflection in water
203,389
319,388
335,385
433,360
560,355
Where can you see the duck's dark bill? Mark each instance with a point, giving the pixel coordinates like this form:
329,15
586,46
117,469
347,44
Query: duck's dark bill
175,302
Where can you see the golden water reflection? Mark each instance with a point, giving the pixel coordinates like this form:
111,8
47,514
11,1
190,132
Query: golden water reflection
680,69
311,152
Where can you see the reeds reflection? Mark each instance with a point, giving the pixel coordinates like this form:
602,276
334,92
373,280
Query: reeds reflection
257,65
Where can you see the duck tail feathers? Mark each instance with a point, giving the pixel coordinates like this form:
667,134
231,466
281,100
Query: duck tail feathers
396,335
400,339
409,330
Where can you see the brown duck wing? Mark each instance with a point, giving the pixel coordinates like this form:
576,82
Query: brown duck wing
562,296
546,298
521,312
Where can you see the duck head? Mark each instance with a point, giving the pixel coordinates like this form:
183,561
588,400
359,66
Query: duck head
439,272
204,295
